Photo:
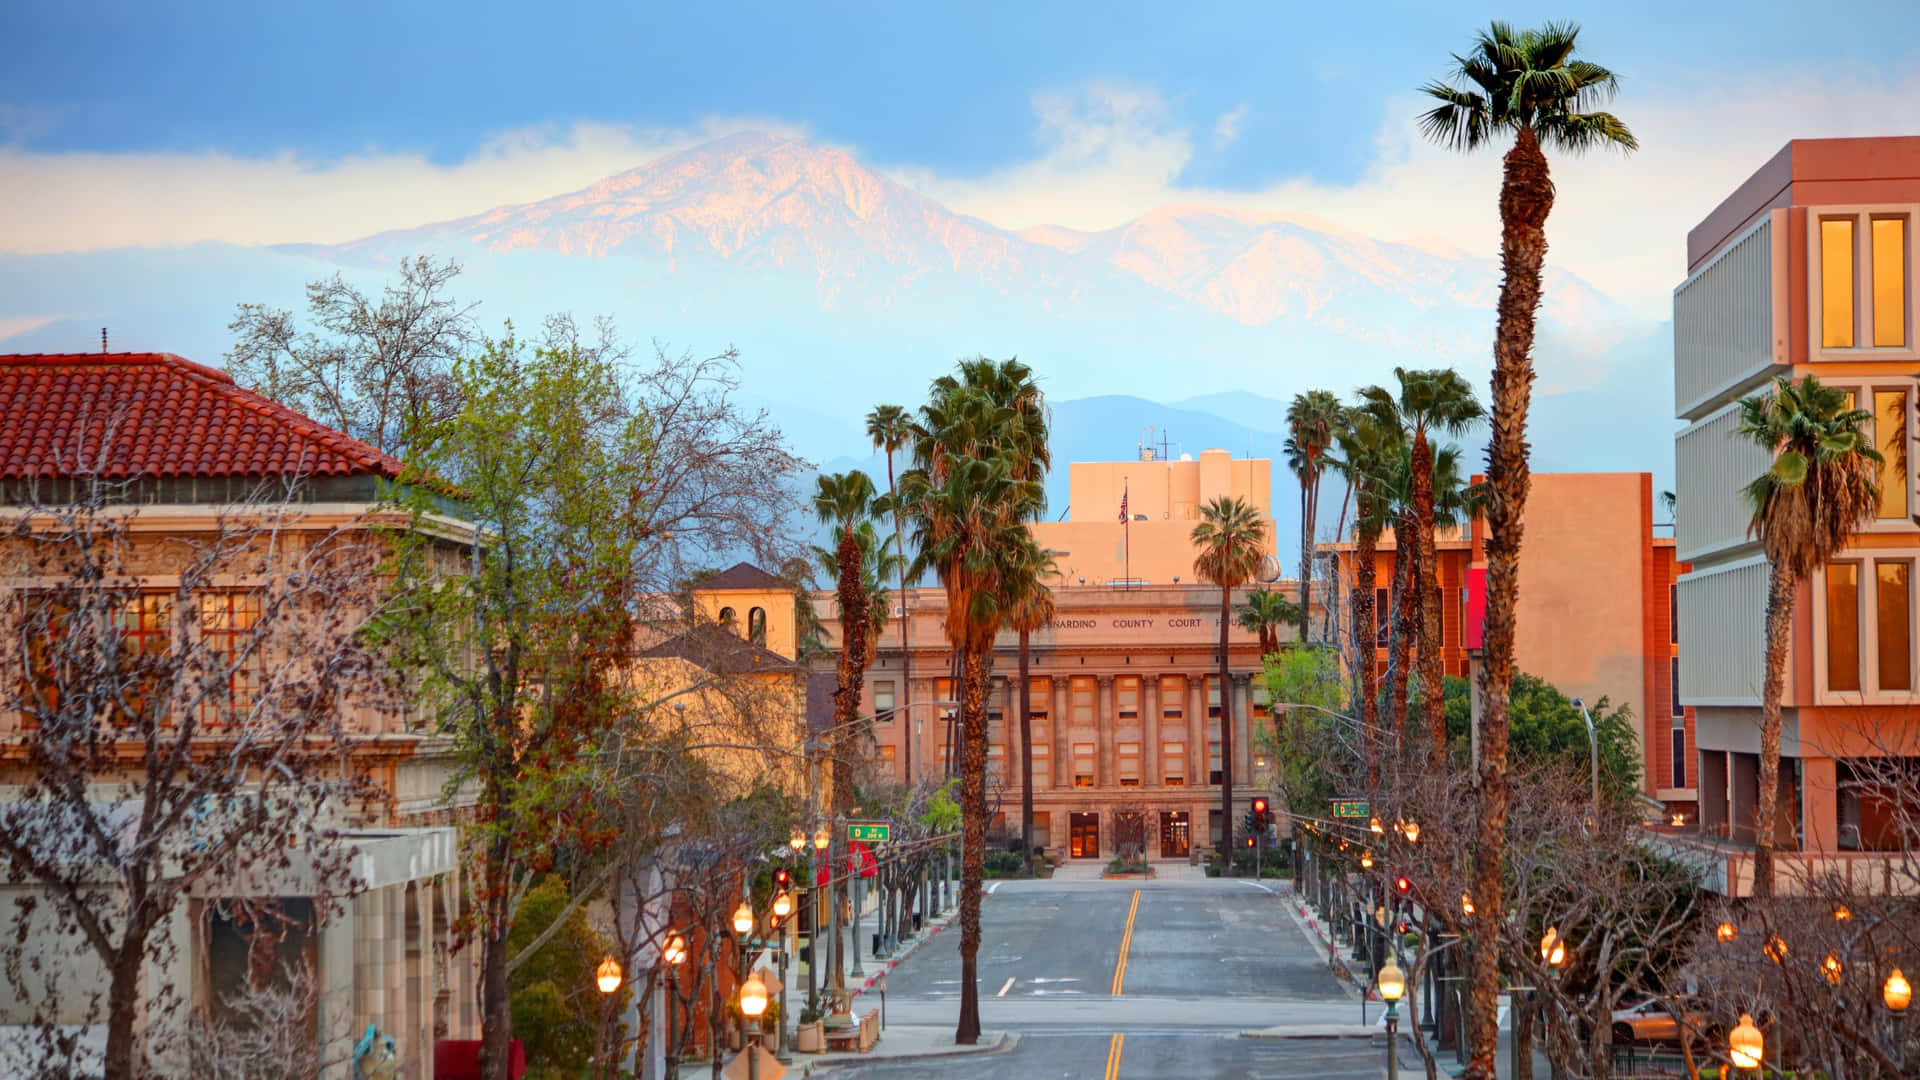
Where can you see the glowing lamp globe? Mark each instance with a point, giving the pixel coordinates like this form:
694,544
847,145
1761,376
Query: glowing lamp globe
1898,993
1726,932
1831,970
1366,860
1393,982
782,906
743,919
753,997
821,838
1373,824
608,976
1413,832
797,841
676,950
1552,949
1745,1045
1466,902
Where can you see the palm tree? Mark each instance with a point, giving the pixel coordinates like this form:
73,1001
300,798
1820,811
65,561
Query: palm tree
1264,612
1231,540
1530,84
1397,489
1822,487
1312,418
890,427
1436,400
844,502
1030,606
979,454
1367,452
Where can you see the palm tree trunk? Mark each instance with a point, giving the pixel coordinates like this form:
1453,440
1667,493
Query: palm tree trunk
973,839
1306,554
1333,563
1766,806
1364,650
1426,586
1526,197
906,647
1226,740
1026,755
1406,559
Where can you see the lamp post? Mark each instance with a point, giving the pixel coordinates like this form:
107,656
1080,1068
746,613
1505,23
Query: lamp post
1898,994
608,978
1745,1046
753,1003
782,907
822,836
1393,983
674,954
1593,757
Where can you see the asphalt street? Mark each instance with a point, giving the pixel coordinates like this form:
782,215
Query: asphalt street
1135,979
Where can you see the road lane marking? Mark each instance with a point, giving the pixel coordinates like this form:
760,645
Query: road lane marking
1126,940
1259,886
1004,989
1113,1050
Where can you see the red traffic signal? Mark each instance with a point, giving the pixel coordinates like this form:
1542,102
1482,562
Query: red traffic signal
1249,841
1259,806
1402,884
781,877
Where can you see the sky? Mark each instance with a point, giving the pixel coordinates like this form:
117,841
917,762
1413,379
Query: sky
141,124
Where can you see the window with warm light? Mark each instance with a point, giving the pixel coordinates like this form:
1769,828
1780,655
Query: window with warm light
1843,626
1836,283
1865,280
1889,261
1893,628
1891,439
1866,614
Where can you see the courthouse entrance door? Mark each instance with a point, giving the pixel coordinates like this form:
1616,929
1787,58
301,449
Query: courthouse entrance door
1085,836
1173,834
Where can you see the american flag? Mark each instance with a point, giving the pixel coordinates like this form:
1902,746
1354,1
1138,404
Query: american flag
1123,506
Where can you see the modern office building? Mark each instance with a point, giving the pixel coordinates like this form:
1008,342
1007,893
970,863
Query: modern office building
1805,268
1595,616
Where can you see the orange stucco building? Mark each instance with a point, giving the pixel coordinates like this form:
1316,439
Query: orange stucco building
1596,609
1806,268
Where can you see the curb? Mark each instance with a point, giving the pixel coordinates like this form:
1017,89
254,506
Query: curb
933,931
1007,1040
1266,1035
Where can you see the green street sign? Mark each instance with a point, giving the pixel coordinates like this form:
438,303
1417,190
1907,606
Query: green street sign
873,832
1350,808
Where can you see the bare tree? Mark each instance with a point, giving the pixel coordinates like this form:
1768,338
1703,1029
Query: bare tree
377,368
180,708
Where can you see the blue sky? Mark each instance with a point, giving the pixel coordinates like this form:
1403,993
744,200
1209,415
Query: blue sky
945,87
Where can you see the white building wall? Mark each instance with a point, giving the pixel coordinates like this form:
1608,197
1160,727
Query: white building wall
1730,319
1712,466
1723,616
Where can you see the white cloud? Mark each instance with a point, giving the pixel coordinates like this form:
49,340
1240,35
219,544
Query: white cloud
1227,129
14,326
85,201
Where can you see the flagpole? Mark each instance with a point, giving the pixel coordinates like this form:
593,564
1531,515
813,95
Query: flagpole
1126,538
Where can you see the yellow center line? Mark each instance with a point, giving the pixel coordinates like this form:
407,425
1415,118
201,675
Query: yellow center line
1126,940
1113,1050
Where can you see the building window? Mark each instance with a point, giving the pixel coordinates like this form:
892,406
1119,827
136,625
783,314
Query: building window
1893,629
1213,698
1890,435
757,626
1126,697
883,700
1843,626
1259,691
1213,761
1039,693
1380,628
727,618
996,697
1082,692
1173,764
1679,756
1836,283
1673,614
1173,697
1127,760
1889,282
1213,826
1042,758
227,621
1083,764
886,758
996,764
1673,689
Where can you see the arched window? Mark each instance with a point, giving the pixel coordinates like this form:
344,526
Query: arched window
757,626
727,618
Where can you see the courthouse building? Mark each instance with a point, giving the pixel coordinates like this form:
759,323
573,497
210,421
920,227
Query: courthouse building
1125,689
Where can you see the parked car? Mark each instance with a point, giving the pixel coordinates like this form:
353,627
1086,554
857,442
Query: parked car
1654,1021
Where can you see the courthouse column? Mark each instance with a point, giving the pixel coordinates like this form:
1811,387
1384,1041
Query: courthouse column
1242,729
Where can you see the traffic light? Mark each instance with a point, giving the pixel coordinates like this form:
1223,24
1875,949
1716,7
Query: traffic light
1403,885
1260,816
780,879
1249,824
1249,841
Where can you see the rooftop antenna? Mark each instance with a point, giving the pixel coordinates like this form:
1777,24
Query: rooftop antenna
103,339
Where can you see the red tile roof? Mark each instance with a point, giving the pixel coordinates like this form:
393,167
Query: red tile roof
158,415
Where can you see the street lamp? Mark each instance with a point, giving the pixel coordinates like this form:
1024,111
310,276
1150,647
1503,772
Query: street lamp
743,919
822,836
1832,969
1593,756
1553,948
782,905
1413,832
609,975
1466,903
1366,860
1726,932
1393,983
753,1004
1897,993
1373,826
1745,1045
798,840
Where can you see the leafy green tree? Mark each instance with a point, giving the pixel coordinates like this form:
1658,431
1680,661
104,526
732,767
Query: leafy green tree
556,1004
1529,84
1548,729
1230,541
1823,485
1263,613
1309,699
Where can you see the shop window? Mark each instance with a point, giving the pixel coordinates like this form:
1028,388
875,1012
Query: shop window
1173,764
883,700
1127,760
1083,754
1126,697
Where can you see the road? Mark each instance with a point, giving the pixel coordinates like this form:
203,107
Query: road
1135,979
